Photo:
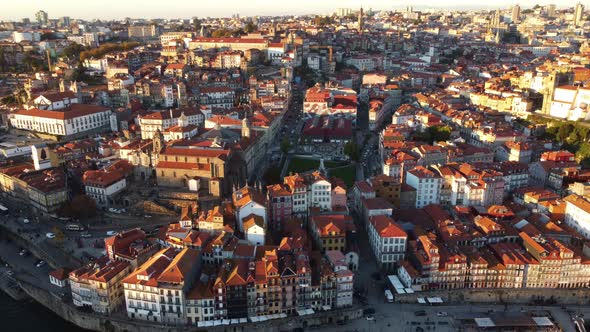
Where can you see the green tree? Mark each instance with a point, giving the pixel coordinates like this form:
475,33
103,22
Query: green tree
564,131
351,17
2,60
583,154
352,151
250,27
32,61
59,235
285,145
323,21
238,32
73,51
104,49
197,24
221,33
439,133
81,206
48,36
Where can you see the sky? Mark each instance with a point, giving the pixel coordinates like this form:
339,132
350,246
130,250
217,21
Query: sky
117,9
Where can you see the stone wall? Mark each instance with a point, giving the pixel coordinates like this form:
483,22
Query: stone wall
153,207
177,199
560,296
178,195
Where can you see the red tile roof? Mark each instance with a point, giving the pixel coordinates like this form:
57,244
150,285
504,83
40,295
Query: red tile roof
387,227
74,111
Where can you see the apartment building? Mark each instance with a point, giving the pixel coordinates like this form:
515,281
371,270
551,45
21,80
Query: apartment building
362,190
343,277
98,285
235,44
45,189
249,202
577,214
200,305
298,189
157,289
74,119
105,184
388,188
143,31
280,205
330,101
310,190
217,97
388,241
319,191
130,246
168,120
330,231
427,184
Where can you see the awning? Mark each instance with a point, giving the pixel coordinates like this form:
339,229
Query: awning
434,300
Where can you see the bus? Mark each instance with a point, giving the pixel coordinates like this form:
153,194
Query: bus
74,227
3,210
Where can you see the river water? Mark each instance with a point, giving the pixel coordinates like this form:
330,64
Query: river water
28,316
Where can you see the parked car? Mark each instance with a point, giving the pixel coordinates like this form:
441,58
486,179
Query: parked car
441,314
50,235
40,264
420,313
112,233
26,221
86,235
24,252
370,317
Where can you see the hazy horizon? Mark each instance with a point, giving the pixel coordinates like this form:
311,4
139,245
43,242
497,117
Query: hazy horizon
150,9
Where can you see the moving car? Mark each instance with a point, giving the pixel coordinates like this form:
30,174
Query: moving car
40,264
74,227
112,233
50,235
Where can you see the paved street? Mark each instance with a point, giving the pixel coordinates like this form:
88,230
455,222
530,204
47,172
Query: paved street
24,267
401,317
35,229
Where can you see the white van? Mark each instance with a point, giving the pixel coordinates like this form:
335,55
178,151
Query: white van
388,296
